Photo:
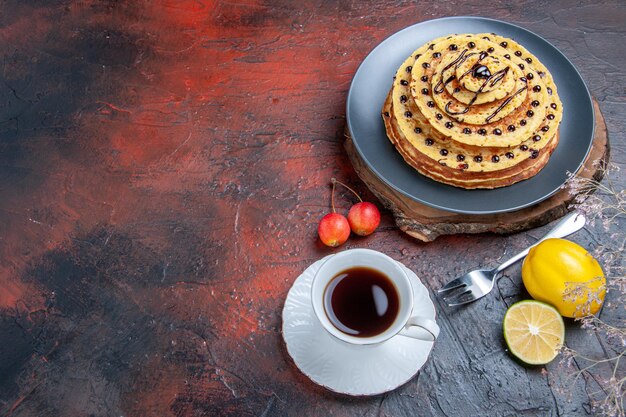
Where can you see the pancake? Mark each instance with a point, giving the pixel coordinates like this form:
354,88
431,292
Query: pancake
474,111
456,175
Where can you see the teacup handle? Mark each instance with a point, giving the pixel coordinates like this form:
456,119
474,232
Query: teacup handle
429,327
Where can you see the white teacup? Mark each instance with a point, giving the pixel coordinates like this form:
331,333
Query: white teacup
404,321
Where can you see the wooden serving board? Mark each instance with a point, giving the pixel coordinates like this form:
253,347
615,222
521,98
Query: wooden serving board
427,223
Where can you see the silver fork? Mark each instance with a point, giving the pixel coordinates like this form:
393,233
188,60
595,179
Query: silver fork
476,284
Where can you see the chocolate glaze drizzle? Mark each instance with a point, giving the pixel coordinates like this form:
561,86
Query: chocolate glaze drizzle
476,66
458,61
478,71
439,88
493,79
504,103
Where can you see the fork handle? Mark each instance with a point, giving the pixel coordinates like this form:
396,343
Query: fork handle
571,223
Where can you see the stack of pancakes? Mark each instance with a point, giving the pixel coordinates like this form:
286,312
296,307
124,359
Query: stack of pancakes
473,111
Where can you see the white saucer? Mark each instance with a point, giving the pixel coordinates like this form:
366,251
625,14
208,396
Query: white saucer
346,368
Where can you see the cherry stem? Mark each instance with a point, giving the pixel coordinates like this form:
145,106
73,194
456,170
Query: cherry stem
332,197
333,180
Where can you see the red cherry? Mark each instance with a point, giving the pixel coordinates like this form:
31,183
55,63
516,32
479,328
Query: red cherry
333,229
364,218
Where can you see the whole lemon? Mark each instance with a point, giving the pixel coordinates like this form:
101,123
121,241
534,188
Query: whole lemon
565,275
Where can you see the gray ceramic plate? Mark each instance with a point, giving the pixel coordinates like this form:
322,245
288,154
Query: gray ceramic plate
373,80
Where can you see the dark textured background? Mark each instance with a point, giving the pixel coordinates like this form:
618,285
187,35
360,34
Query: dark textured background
163,167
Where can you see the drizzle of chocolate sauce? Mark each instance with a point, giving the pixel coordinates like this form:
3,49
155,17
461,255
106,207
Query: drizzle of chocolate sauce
504,103
458,61
493,79
477,71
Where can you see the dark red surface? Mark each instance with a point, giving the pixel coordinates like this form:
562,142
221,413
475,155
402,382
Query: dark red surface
163,167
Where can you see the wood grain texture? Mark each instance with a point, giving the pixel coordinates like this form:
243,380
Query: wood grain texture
428,223
163,167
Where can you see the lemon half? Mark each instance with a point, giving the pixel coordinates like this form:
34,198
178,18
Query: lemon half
534,331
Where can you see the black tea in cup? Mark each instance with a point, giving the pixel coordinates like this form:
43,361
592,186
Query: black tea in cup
361,302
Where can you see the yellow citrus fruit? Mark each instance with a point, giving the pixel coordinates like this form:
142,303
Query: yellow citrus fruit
565,275
534,331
